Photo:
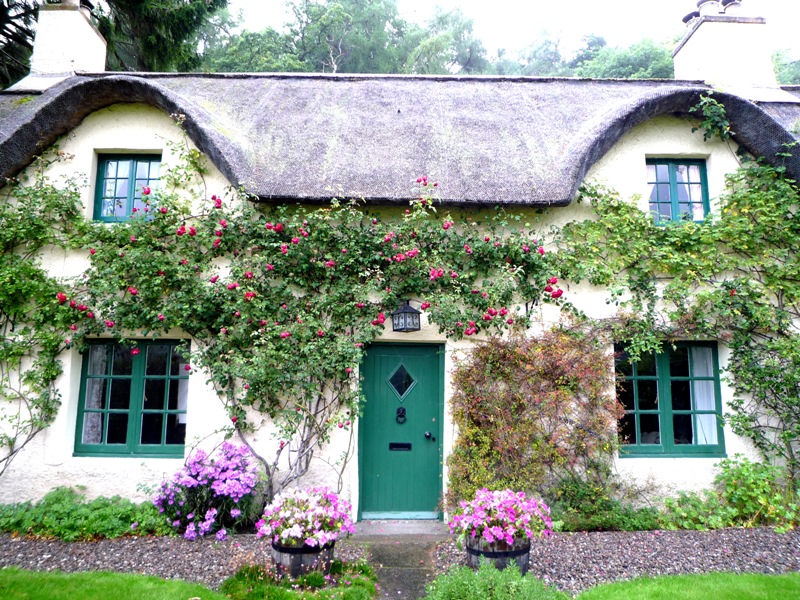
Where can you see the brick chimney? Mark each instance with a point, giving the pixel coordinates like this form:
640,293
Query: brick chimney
728,49
66,41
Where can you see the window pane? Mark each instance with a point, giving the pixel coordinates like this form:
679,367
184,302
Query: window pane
92,428
679,362
622,361
683,192
706,429
681,173
120,394
123,361
627,429
653,195
95,394
98,359
665,212
651,431
696,192
111,169
154,391
625,394
124,168
648,395
682,428
152,424
142,169
681,399
663,192
117,428
702,361
177,364
646,365
110,188
694,173
176,431
651,173
157,360
703,395
121,190
698,212
662,172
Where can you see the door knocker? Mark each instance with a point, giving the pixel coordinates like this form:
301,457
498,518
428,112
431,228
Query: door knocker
401,415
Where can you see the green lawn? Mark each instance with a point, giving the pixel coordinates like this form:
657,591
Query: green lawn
711,586
16,584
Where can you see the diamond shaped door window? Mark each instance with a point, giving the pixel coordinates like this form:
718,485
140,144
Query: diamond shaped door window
401,382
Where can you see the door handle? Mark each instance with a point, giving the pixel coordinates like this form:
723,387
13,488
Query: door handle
429,436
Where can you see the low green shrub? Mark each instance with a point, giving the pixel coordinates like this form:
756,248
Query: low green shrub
65,514
347,581
488,582
747,494
580,505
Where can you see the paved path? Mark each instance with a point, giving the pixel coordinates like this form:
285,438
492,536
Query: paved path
402,553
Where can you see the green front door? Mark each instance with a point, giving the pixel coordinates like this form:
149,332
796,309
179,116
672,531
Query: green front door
400,432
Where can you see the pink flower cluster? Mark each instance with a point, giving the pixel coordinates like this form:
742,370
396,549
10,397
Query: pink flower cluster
554,292
312,517
501,516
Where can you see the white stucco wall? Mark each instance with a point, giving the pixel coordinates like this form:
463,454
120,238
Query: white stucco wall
49,460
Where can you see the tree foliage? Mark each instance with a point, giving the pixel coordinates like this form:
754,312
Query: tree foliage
154,35
733,277
353,36
643,60
532,411
16,42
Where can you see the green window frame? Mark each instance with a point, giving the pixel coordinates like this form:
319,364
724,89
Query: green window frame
672,401
120,180
678,190
133,401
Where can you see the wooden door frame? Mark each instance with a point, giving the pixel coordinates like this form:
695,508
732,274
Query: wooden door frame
440,430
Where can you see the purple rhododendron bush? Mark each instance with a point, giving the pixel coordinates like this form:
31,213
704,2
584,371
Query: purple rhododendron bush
212,494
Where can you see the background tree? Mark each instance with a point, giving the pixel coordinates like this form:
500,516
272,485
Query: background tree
154,35
787,71
642,60
16,40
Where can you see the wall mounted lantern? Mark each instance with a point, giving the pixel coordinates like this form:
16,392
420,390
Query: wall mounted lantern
405,318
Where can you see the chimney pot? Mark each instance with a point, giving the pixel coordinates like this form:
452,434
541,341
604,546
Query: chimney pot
690,19
732,7
709,7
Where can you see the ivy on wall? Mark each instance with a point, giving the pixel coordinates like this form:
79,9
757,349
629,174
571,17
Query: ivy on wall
281,301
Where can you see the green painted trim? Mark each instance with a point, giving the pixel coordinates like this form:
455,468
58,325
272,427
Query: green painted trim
673,186
625,453
133,160
668,448
441,349
132,447
405,516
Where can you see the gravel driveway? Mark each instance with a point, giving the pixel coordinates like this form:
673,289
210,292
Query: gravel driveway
570,561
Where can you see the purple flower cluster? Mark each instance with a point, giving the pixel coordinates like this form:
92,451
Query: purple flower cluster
312,517
210,493
501,516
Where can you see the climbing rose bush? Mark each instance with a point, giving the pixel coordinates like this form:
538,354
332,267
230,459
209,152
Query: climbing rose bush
211,495
501,516
313,517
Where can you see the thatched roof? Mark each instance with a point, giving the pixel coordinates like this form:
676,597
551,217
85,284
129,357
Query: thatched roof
522,141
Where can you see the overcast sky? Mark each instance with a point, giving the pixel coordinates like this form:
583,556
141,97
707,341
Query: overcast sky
515,24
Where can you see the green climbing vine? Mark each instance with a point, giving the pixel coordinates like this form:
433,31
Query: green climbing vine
36,215
732,277
281,301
